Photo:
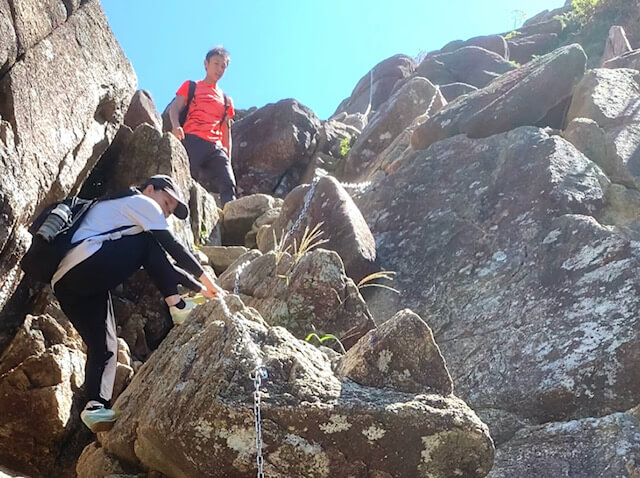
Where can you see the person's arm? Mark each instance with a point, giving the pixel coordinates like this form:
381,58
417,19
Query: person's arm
181,255
177,105
226,136
185,260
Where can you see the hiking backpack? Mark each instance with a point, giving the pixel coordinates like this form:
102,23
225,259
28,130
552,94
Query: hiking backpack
166,120
43,257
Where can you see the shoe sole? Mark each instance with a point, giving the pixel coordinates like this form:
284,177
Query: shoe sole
102,426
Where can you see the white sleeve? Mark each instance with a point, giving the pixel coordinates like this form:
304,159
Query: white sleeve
144,212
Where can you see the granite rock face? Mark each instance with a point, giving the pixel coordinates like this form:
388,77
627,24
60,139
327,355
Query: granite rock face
418,96
341,223
384,76
607,446
39,373
520,269
273,146
524,96
314,424
304,293
470,64
604,122
80,96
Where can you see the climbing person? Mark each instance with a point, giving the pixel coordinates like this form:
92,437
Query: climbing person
116,237
206,133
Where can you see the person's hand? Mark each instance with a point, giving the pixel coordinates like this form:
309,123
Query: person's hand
209,289
178,132
213,292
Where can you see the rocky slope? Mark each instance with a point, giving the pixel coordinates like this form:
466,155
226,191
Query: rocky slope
498,181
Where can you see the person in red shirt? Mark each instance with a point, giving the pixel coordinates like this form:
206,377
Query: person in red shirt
206,134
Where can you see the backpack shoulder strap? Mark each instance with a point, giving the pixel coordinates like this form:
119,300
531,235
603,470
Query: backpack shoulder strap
191,94
226,107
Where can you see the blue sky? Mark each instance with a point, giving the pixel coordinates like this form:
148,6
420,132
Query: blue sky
314,51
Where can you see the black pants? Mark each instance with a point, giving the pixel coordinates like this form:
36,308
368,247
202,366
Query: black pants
209,162
84,296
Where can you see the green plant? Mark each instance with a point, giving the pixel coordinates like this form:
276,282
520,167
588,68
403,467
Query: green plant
345,146
203,234
324,338
512,34
563,19
583,10
515,63
388,275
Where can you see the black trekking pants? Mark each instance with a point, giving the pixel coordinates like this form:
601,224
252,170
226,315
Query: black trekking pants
84,296
208,161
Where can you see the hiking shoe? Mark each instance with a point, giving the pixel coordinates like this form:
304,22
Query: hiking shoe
180,315
98,418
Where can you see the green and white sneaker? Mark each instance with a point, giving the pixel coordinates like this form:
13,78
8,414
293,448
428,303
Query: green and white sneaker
98,419
180,315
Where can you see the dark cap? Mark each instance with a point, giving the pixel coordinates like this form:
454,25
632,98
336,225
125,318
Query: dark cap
164,182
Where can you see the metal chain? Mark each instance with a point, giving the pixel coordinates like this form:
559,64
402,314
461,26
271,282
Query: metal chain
8,283
259,374
359,187
433,100
236,283
303,211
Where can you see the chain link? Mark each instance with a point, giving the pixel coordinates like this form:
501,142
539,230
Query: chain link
7,285
303,211
236,283
259,374
433,100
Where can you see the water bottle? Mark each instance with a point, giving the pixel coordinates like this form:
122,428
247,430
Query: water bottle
54,223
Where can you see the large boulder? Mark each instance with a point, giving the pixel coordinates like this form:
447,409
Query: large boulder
494,43
383,77
342,225
148,152
617,44
84,84
551,24
604,122
531,298
606,446
189,411
273,146
521,97
239,216
142,110
303,292
523,48
400,354
630,59
8,39
451,91
471,64
39,373
418,96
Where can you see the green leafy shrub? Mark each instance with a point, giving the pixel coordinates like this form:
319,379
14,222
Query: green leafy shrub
512,34
583,10
345,146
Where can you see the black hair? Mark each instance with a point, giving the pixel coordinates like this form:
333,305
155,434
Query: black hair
218,51
148,182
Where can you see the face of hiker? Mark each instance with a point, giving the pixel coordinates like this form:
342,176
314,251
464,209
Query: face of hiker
166,202
215,66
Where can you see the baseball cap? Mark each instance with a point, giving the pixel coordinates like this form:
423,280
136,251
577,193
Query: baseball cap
164,182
